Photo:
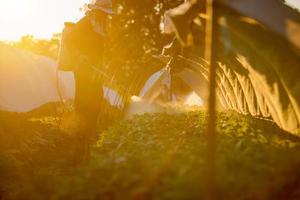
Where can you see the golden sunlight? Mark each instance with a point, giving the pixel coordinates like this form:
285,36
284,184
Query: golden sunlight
40,18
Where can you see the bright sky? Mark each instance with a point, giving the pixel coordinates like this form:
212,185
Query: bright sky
294,3
41,18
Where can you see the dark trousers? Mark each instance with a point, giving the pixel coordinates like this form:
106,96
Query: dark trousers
88,99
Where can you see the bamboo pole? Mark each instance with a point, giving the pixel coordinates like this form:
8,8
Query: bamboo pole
210,55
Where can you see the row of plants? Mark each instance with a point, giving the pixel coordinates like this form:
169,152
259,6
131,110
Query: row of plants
152,156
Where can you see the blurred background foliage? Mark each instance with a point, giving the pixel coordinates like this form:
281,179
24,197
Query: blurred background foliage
134,36
44,47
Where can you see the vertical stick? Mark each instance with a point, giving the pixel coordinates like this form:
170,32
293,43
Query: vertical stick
210,55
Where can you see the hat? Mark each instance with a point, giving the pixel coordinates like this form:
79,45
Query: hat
102,5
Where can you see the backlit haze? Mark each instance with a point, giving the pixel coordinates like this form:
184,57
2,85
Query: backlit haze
42,18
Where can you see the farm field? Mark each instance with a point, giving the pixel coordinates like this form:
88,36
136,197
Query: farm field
152,156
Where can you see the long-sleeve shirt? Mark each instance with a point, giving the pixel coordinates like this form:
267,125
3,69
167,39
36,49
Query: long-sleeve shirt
86,42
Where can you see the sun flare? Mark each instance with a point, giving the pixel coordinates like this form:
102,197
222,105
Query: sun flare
40,18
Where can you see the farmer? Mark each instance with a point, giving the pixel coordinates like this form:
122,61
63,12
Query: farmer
87,38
